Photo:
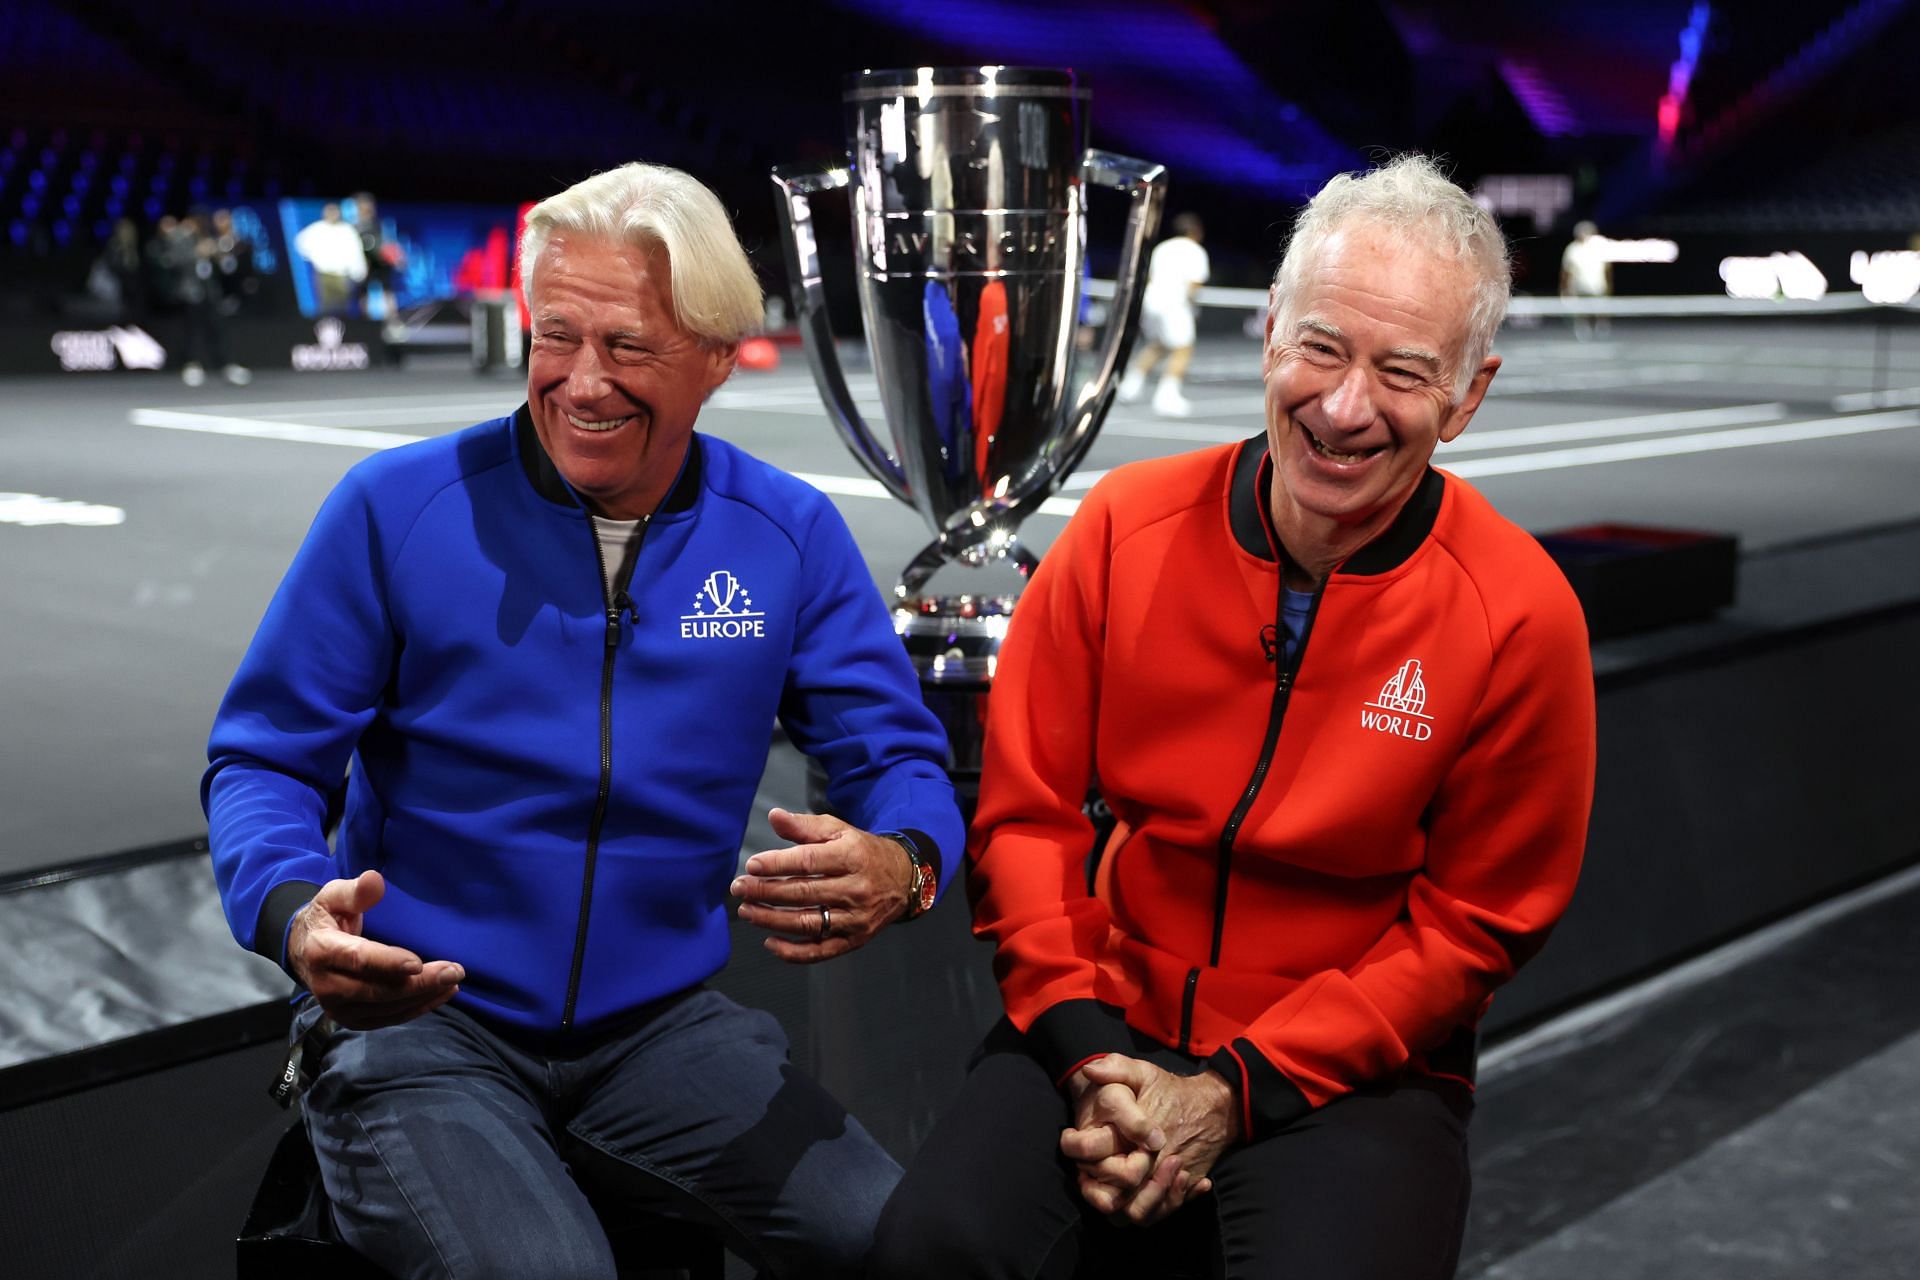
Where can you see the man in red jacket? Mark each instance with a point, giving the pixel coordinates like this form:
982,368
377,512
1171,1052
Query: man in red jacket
1343,714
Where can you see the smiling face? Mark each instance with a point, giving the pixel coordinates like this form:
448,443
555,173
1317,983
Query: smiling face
1359,381
613,382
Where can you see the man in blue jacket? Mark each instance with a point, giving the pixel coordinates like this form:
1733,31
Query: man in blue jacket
532,667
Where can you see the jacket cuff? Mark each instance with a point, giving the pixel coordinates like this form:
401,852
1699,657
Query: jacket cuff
1066,1036
276,917
1269,1102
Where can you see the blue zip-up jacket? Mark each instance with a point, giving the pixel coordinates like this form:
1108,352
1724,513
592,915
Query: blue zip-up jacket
555,789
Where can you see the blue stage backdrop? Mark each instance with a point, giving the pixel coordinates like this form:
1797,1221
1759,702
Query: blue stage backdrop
439,252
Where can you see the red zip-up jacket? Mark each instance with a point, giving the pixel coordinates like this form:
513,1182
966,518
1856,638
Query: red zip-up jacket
1323,865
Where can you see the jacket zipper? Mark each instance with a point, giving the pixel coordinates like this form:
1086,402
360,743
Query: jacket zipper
616,600
1283,676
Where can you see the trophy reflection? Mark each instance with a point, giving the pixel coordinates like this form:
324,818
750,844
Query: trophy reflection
968,189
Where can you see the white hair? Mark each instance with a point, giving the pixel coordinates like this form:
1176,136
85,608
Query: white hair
716,297
1410,196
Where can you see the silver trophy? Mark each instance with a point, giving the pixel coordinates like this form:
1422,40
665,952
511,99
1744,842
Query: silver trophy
969,189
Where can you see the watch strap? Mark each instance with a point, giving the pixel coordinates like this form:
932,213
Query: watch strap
925,878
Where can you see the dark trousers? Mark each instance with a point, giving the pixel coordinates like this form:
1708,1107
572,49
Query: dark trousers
206,332
449,1151
1371,1187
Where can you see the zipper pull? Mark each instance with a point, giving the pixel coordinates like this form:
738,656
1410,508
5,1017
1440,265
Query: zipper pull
613,626
625,600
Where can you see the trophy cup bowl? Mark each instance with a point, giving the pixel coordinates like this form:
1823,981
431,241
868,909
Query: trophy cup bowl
968,188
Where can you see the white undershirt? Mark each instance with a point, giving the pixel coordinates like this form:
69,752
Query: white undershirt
618,539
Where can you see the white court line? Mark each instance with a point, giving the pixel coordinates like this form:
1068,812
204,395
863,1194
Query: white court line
477,411
1765,355
1198,432
868,487
1876,399
365,403
1519,383
1476,441
768,397
1637,425
869,410
1704,442
34,509
259,429
805,405
174,420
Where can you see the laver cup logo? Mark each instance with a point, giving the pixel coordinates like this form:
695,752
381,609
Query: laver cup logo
722,610
1400,708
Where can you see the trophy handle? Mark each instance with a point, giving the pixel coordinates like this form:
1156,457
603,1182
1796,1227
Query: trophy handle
793,186
1145,185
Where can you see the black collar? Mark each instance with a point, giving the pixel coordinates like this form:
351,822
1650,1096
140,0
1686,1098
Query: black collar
551,485
1248,516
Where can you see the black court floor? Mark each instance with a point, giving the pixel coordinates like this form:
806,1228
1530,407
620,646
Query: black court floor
1749,1116
143,525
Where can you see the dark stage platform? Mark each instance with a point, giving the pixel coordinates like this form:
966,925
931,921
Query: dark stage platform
1749,1115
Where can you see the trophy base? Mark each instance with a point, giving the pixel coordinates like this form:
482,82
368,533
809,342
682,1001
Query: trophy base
954,642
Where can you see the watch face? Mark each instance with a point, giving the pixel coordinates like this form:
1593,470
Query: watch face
924,888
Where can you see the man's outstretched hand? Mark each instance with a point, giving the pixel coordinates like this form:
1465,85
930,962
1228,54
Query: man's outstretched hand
861,879
361,983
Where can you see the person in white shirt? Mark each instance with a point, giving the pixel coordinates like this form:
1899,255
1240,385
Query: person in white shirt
331,247
1175,272
1586,271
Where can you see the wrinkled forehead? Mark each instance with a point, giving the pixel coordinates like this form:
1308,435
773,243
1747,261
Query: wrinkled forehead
609,262
1405,268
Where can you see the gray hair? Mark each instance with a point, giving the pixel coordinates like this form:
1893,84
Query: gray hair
1409,195
716,297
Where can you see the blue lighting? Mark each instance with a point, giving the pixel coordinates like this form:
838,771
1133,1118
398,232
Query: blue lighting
1165,86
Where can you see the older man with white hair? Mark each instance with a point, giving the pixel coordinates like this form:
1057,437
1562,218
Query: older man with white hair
1343,714
533,668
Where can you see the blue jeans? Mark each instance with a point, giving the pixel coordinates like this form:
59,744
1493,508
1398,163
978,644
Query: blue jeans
448,1151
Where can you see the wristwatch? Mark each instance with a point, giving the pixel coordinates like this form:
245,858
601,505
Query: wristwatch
926,884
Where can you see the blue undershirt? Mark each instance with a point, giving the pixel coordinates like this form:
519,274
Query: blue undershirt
1293,615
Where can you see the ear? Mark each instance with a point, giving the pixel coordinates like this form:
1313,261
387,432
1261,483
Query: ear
1461,414
1266,330
721,359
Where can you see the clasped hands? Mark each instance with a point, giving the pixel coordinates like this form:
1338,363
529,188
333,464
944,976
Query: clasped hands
1144,1139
